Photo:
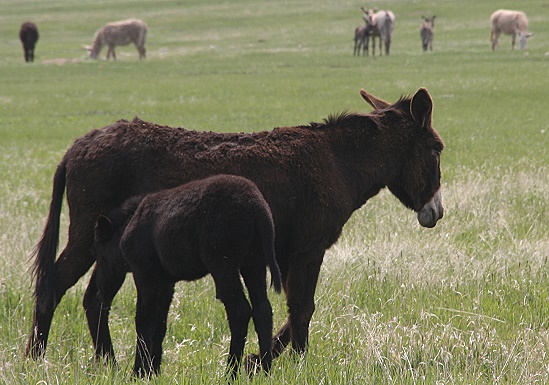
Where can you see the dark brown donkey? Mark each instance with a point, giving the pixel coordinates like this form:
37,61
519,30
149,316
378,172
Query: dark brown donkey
29,36
313,177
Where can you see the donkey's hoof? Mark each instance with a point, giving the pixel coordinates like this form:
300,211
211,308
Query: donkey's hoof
252,364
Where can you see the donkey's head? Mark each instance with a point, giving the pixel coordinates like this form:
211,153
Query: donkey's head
416,181
523,39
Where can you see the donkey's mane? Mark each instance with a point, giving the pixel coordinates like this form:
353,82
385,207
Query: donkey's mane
346,118
341,119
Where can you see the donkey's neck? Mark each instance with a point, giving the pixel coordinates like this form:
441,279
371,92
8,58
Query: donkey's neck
97,45
366,159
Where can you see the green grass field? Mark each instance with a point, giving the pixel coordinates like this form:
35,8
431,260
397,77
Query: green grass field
463,303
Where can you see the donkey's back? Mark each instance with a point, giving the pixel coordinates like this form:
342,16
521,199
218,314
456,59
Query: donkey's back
125,32
122,32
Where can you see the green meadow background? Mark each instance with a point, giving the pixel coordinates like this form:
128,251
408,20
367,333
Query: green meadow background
463,303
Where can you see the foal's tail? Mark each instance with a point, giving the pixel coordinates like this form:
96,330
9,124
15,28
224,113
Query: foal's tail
267,232
46,249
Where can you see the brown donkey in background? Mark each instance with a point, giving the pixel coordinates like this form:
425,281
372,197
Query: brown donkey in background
28,34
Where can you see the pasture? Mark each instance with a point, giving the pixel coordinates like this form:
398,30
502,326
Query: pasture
463,303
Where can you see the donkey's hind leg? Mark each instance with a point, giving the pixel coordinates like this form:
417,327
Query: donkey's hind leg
141,50
72,264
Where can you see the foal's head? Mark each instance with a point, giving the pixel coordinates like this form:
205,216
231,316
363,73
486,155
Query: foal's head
109,229
416,182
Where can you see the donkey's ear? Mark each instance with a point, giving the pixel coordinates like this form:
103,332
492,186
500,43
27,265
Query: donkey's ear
103,229
378,104
421,107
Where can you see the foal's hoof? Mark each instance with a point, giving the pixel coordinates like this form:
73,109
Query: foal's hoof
252,364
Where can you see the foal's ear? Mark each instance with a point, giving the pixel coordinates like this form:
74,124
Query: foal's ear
421,107
377,103
103,229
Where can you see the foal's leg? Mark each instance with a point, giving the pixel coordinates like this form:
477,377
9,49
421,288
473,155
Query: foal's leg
105,282
72,264
262,312
153,303
229,291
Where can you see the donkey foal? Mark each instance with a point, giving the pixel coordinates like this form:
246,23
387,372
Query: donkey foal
220,225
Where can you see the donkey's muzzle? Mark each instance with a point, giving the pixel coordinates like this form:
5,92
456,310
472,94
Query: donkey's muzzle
433,210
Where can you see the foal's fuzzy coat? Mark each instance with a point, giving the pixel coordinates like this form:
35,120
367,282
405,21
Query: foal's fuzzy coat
220,225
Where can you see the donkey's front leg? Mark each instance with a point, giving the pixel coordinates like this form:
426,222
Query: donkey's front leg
301,286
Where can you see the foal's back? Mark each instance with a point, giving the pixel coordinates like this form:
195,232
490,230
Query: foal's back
190,227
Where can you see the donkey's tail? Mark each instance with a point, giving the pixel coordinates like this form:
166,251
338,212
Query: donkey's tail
267,231
46,249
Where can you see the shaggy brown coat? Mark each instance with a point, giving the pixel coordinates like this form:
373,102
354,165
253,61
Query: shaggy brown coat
313,177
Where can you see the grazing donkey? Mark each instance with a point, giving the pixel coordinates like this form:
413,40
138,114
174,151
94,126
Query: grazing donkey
29,36
119,33
313,177
514,23
220,225
383,25
427,32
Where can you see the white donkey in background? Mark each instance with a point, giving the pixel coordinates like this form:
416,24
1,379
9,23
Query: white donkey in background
121,32
383,25
514,23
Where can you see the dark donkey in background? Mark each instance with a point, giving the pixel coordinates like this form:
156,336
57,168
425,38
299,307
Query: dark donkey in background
29,36
313,177
219,225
